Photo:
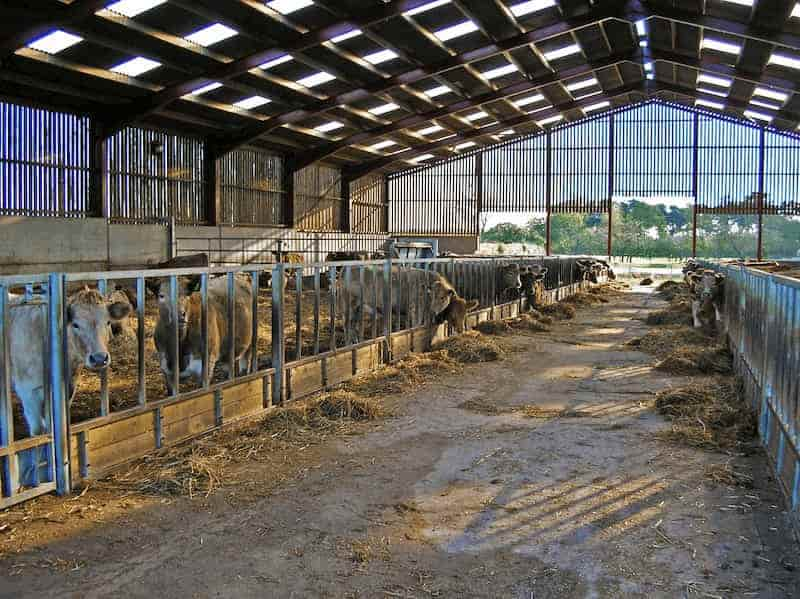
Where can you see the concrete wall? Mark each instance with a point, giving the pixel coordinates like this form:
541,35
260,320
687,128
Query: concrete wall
38,244
458,245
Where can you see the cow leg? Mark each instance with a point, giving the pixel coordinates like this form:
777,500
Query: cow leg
244,362
33,404
695,311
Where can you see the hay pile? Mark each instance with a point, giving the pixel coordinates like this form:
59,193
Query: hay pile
493,327
585,299
698,360
559,311
708,415
646,281
472,347
678,312
672,289
528,322
665,340
411,372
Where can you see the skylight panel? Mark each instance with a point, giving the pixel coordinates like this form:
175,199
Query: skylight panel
711,79
760,116
641,28
205,89
526,8
709,104
251,102
795,12
454,31
315,79
328,127
562,52
346,36
382,144
721,46
772,94
465,145
476,116
384,109
784,60
529,100
740,2
136,66
208,36
597,106
582,84
275,62
55,42
500,71
421,158
713,92
132,8
589,95
550,120
380,56
426,7
506,132
429,130
437,91
287,7
767,105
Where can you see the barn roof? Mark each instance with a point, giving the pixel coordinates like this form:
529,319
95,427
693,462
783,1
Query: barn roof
377,86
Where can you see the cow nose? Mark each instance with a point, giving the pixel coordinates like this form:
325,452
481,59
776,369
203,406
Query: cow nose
99,360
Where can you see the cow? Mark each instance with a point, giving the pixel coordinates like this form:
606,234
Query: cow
707,290
348,256
532,279
439,294
456,313
88,316
190,331
187,261
508,283
122,326
689,269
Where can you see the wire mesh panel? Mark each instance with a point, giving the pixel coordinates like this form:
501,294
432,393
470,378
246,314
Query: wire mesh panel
781,174
515,176
653,151
44,162
441,199
727,166
318,199
580,167
368,208
250,186
153,176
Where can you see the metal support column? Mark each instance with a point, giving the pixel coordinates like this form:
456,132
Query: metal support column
287,208
610,181
58,389
97,169
760,197
548,192
344,207
212,199
695,152
478,193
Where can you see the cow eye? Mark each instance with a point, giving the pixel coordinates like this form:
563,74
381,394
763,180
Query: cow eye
75,325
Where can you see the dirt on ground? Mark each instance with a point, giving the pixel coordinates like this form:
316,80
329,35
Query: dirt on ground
542,475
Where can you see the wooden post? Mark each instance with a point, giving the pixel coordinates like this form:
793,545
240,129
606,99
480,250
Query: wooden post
287,209
695,151
385,222
212,195
97,170
548,192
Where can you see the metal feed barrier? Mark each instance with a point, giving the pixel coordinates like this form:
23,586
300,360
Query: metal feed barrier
304,349
762,313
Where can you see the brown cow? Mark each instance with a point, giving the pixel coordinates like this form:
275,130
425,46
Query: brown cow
532,279
190,333
456,313
707,289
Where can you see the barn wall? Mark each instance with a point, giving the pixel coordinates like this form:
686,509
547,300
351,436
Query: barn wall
38,244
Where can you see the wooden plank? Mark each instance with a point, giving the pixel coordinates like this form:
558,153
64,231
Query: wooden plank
305,379
188,418
242,400
401,344
367,358
339,368
112,433
103,458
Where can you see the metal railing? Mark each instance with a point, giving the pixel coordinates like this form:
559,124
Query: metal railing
296,316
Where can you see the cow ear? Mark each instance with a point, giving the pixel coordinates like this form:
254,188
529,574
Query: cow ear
472,305
119,310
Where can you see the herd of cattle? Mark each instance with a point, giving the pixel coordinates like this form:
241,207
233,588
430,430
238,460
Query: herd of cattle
92,318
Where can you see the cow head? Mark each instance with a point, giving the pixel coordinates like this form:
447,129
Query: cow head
456,313
532,280
510,277
89,316
440,294
587,270
706,286
690,266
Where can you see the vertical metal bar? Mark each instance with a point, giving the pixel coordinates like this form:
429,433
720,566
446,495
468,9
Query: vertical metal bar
140,339
695,190
9,462
206,373
374,277
610,181
254,287
231,325
348,311
387,304
548,190
316,308
760,197
298,313
361,298
278,357
59,400
174,342
332,299
102,287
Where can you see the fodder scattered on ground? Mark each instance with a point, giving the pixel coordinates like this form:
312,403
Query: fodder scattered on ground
646,281
559,311
472,347
583,299
710,414
678,312
528,322
670,290
663,341
724,474
493,327
409,373
698,360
